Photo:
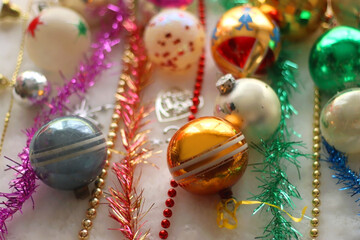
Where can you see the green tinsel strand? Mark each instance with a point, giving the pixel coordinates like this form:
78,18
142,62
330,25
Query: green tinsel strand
275,185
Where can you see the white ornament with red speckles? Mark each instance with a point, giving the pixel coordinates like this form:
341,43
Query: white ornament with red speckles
174,39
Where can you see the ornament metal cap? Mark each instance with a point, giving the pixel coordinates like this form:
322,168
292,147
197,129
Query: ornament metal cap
225,84
9,10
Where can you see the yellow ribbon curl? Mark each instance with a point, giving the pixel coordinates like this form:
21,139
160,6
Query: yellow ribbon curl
231,223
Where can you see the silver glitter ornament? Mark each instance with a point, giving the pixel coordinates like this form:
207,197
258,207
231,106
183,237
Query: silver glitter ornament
249,104
31,87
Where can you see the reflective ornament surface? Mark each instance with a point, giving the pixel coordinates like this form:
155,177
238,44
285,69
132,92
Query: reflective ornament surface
249,104
174,39
207,155
347,12
57,39
340,121
31,87
68,152
227,4
334,59
171,3
297,18
245,42
88,8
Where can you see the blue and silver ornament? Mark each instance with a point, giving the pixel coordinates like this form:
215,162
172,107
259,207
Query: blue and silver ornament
68,152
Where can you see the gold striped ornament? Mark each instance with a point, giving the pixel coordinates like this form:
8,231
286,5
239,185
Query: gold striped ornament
207,155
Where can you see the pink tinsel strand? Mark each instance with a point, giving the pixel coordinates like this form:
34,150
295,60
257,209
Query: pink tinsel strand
23,186
126,203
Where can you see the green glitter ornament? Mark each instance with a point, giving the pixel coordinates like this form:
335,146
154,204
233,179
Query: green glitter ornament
227,4
335,59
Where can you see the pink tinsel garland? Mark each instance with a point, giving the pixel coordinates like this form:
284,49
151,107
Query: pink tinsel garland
23,186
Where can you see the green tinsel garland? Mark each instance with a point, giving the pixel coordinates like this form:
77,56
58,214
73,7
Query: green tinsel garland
275,186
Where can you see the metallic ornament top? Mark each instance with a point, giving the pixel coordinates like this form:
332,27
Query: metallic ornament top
207,155
334,59
251,105
174,39
225,84
174,104
340,121
347,12
245,42
296,18
9,10
68,153
31,87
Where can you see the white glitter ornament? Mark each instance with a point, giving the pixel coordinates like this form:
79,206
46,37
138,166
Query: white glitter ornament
249,104
57,39
340,121
174,39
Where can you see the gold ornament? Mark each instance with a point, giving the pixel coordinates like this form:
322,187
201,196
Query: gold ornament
296,18
207,155
245,42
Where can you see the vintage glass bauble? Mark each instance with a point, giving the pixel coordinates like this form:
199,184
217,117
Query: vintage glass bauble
31,87
57,39
68,153
174,39
207,155
298,18
245,42
250,104
334,59
340,121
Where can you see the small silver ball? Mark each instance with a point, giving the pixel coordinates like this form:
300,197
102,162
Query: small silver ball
31,87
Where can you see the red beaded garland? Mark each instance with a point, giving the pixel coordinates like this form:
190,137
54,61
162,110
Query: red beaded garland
173,183
193,109
191,117
169,202
165,223
163,234
167,213
172,192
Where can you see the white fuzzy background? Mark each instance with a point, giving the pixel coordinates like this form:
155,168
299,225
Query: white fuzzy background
57,214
